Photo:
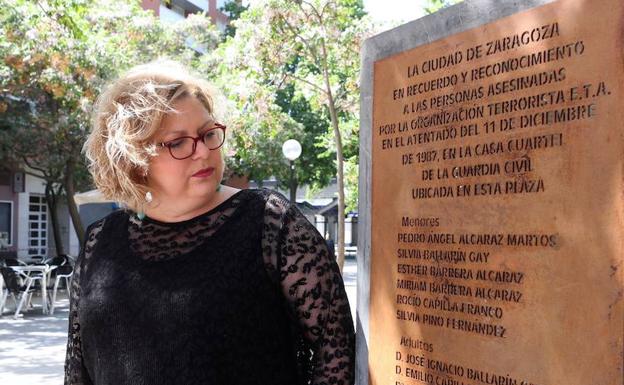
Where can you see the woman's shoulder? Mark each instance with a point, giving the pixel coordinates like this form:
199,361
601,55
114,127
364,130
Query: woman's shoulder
265,193
109,221
96,232
273,201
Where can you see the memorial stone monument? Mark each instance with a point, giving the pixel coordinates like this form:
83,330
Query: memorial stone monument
492,197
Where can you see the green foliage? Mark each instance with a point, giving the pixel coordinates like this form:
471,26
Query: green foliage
316,162
61,53
351,146
282,46
233,9
312,46
57,56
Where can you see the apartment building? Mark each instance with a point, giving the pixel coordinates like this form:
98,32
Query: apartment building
25,223
175,10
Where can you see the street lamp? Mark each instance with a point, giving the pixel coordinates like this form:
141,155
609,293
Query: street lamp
291,150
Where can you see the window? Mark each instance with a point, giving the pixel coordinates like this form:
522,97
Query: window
37,220
6,223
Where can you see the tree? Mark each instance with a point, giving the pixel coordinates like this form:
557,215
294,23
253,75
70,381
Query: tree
306,124
233,9
262,116
17,147
39,76
57,57
312,46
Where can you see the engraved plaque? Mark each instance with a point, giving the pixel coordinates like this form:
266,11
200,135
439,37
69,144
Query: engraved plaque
497,203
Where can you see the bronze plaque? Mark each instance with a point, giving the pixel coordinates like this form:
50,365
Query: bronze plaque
497,204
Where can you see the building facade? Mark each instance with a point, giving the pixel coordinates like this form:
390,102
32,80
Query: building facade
25,221
175,10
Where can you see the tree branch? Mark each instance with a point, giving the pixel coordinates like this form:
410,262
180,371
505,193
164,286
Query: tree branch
314,10
41,170
298,35
307,15
315,86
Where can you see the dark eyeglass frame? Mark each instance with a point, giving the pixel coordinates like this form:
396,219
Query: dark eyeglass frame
217,126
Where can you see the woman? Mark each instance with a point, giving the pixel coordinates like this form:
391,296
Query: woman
195,282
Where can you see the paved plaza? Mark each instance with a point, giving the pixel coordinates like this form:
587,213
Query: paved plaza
32,348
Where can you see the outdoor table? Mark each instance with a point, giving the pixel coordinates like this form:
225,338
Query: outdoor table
44,270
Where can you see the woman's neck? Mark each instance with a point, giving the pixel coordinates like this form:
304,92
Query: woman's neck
177,212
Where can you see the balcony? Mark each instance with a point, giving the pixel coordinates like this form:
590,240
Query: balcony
169,16
201,4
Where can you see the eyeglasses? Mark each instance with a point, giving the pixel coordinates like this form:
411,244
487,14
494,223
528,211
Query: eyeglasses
185,146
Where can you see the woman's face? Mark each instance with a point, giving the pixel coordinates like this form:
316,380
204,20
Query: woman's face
196,178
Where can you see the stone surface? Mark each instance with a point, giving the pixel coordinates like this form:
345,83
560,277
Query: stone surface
491,202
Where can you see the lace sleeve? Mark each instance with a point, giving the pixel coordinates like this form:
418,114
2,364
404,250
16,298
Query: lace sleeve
311,281
75,371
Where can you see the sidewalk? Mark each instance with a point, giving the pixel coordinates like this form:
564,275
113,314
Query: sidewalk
32,348
349,274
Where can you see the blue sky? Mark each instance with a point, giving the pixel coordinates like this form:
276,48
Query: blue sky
394,11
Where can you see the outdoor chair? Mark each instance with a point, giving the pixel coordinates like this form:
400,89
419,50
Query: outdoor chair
62,272
56,261
14,288
14,262
37,259
71,260
59,260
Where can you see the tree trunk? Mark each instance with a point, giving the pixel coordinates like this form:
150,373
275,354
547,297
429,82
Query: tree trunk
71,203
52,205
340,258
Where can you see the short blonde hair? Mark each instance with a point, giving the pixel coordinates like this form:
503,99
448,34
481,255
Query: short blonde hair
127,116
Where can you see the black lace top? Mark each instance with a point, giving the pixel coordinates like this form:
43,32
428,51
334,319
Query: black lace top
246,293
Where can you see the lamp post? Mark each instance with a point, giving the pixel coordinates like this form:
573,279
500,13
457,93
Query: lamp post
291,150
